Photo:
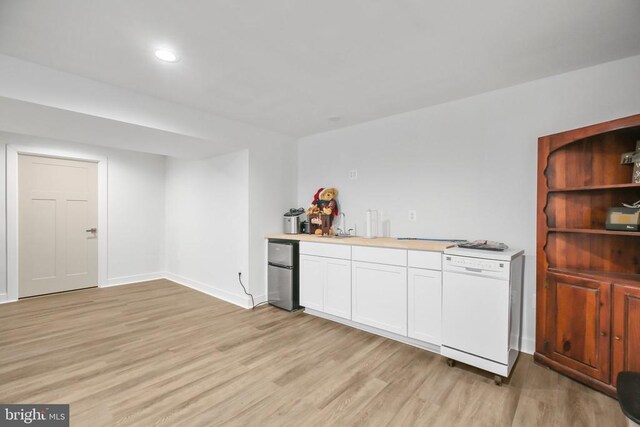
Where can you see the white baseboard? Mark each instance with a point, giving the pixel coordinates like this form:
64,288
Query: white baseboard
528,345
259,299
4,299
137,278
241,300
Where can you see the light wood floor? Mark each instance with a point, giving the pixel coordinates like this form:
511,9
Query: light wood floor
160,354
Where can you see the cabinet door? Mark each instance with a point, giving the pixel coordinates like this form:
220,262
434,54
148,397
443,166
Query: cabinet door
337,288
578,318
312,277
379,296
425,305
626,330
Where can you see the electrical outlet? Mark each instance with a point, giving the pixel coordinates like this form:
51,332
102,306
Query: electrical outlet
353,174
412,215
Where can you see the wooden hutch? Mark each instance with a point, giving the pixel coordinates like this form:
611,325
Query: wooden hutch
588,278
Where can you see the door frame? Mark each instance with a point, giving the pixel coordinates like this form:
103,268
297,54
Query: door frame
13,151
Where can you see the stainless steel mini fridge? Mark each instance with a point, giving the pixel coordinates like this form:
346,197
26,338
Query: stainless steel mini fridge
283,275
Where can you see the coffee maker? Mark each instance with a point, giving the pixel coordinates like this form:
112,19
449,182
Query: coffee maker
291,221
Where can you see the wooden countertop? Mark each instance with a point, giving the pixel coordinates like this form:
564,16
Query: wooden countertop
381,242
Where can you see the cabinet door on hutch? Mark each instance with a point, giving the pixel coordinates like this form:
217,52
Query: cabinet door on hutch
578,322
626,330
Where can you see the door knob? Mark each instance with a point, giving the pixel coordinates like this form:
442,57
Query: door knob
617,337
92,230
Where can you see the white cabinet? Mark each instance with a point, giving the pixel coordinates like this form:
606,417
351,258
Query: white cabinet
312,278
325,285
379,255
393,290
337,288
330,250
379,296
425,305
425,259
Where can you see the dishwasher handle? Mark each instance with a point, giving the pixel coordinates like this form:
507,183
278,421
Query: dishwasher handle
476,267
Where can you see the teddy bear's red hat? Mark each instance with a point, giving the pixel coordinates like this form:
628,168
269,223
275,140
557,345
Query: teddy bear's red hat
317,196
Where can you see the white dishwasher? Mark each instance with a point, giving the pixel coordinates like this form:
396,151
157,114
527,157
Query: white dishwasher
482,308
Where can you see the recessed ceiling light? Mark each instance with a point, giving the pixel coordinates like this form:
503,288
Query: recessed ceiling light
166,55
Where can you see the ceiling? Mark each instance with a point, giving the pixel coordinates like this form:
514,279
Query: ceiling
291,66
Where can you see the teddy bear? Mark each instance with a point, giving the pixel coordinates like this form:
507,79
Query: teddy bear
324,208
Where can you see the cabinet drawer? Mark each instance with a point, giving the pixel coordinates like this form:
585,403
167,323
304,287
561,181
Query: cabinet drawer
380,255
326,250
425,259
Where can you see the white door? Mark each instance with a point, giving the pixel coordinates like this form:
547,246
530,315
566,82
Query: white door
312,271
425,305
57,214
379,296
337,288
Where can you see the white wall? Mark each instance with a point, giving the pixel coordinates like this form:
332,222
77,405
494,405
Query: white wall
136,215
468,167
135,208
207,211
272,191
200,208
3,219
218,213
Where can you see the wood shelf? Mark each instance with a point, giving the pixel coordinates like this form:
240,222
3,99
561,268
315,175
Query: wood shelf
620,278
586,275
595,231
596,188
